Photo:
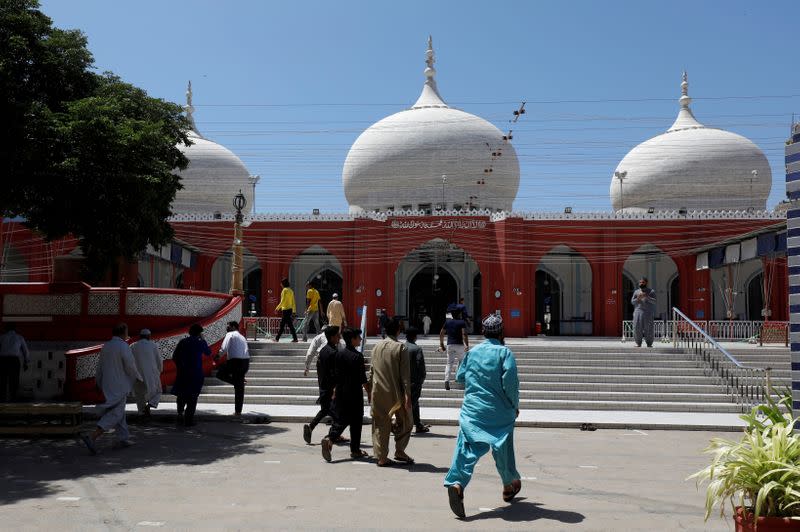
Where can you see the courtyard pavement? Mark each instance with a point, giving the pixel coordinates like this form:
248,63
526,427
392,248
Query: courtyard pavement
226,475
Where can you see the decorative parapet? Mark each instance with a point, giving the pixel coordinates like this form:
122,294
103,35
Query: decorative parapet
103,303
149,304
42,304
214,332
494,216
657,215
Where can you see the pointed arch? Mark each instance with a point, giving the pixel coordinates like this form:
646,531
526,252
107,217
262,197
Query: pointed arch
564,286
650,261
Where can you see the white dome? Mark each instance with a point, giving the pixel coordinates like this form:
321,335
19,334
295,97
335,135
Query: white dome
694,167
399,161
214,175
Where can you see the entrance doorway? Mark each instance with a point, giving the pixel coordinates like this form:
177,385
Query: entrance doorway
431,291
328,282
548,300
252,289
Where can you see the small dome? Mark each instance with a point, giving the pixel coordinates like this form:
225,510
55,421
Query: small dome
214,176
692,167
429,153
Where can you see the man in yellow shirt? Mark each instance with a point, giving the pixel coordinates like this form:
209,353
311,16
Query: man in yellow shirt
312,310
287,309
336,312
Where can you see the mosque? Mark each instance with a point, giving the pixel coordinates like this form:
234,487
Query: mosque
430,192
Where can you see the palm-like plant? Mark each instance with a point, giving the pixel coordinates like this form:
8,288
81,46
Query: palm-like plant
762,470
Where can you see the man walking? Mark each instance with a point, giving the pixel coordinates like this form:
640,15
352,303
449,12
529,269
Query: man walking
116,373
326,379
233,371
287,309
426,325
150,365
457,343
348,408
418,373
644,309
189,378
312,310
390,382
336,315
14,357
491,404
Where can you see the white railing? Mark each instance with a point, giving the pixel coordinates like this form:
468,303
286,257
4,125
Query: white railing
718,329
748,385
662,329
267,326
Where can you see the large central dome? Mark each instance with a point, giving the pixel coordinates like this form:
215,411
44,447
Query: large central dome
431,156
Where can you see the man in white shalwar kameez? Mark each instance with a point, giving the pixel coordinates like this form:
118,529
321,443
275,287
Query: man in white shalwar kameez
150,365
116,373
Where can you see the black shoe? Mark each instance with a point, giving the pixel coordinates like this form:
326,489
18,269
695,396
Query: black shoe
307,434
422,429
456,498
446,385
326,446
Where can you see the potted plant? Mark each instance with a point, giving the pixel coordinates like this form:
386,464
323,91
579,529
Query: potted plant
760,474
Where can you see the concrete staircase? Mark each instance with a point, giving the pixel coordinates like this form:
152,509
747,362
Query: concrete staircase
561,376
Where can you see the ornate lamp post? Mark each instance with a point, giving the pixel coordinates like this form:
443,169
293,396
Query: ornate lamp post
239,203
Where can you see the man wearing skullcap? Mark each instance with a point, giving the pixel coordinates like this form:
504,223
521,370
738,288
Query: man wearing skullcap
491,404
150,365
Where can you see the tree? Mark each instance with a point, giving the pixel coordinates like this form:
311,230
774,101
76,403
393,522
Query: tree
87,154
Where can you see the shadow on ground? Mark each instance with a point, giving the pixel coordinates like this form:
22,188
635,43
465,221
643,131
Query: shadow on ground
32,467
521,511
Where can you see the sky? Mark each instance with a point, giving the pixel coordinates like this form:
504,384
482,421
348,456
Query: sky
289,86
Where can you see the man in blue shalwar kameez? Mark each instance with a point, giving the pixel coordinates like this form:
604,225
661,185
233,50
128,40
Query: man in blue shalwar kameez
491,404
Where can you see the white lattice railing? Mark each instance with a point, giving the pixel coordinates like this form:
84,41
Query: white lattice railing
717,329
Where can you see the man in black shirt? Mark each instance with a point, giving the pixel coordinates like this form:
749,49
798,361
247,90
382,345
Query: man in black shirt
455,329
348,404
326,379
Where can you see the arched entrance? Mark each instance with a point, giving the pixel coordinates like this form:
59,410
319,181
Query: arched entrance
755,297
328,282
477,310
221,271
431,291
548,301
251,284
433,276
568,291
662,276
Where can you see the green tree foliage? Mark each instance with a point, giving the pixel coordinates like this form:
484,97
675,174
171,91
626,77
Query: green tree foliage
84,154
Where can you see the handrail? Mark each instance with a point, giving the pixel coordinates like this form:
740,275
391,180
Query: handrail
747,384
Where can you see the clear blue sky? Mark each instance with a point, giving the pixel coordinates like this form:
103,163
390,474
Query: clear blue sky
288,86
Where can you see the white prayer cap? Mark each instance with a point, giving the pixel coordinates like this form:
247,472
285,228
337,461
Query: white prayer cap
492,323
144,332
335,296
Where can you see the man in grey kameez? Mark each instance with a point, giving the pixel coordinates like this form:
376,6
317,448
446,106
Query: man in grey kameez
644,309
116,373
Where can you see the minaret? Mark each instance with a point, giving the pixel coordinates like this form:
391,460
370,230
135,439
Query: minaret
430,93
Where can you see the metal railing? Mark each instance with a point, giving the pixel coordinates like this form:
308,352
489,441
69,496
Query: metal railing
267,326
748,385
717,329
662,329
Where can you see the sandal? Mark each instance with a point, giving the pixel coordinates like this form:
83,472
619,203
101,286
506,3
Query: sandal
404,458
508,495
388,463
359,454
456,498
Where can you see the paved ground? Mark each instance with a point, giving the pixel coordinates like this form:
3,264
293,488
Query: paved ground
226,475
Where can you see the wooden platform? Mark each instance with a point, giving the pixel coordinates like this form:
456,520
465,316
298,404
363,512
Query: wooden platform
40,418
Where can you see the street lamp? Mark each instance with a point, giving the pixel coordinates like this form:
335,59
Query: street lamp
621,177
254,179
444,182
239,202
